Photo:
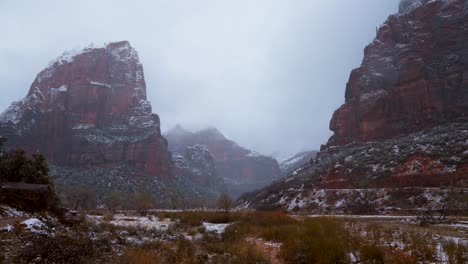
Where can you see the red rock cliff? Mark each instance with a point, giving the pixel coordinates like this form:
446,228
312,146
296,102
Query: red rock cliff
89,108
414,75
405,113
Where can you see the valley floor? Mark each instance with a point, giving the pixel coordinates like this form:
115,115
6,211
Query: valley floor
234,237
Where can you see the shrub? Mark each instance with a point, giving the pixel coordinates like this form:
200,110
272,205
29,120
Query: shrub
422,246
108,217
141,256
63,249
456,252
273,226
182,251
316,241
372,254
246,253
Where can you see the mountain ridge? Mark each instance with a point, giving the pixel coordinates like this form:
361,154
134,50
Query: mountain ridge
403,125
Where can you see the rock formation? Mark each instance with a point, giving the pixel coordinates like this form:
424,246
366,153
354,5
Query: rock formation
401,138
414,75
242,169
88,108
198,165
88,113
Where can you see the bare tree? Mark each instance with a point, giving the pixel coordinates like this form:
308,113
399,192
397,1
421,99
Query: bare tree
225,202
143,202
113,201
81,197
436,214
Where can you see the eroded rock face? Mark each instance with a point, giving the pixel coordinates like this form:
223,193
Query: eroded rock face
242,169
403,126
198,165
414,75
88,108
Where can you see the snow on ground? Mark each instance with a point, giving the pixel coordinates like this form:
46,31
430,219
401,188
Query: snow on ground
457,225
273,244
10,212
8,228
366,216
217,228
135,221
34,225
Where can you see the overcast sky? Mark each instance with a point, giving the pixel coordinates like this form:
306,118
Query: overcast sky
268,74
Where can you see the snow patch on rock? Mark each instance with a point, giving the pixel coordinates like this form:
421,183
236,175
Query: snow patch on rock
83,126
99,84
12,113
69,55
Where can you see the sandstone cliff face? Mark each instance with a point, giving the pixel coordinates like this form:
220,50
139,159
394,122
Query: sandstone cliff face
241,169
403,129
414,75
88,108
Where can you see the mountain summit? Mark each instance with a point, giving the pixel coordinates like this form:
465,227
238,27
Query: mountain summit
89,108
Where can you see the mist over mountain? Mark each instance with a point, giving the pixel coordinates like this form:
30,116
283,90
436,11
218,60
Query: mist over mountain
278,71
208,131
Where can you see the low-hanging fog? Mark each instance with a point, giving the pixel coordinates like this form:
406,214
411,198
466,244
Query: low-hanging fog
266,73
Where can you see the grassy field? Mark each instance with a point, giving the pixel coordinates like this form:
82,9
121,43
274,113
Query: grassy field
329,239
236,237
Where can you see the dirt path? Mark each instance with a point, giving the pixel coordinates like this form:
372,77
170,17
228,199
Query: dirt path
270,249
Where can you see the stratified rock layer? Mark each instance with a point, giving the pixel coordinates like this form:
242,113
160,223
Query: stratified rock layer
414,75
88,108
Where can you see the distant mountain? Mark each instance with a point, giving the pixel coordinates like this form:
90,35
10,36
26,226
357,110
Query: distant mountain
401,138
197,164
242,169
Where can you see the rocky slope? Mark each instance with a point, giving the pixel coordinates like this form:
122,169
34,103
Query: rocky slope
198,165
242,169
417,171
295,162
403,124
88,113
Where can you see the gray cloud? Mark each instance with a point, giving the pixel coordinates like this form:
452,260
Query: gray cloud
267,73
